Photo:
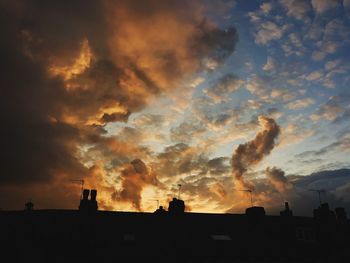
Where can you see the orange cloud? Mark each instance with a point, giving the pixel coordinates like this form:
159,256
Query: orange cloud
135,176
74,67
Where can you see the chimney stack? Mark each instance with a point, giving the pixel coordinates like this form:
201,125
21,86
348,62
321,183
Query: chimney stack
286,211
87,204
341,214
176,207
93,194
86,194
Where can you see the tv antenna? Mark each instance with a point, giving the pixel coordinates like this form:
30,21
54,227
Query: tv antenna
250,191
178,195
319,192
81,182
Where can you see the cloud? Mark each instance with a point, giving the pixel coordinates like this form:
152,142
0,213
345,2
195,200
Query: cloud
223,87
340,145
332,64
321,6
335,182
266,7
294,133
282,94
297,192
277,179
252,152
296,8
315,75
330,37
335,107
295,39
70,68
318,55
270,65
214,115
219,190
336,29
149,120
268,31
178,159
259,86
135,176
267,88
300,104
219,165
187,131
274,113
326,47
294,45
264,10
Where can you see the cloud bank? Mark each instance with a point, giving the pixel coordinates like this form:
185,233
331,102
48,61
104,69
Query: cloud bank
71,68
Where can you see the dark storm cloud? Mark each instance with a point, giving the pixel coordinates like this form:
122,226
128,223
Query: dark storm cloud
33,145
67,70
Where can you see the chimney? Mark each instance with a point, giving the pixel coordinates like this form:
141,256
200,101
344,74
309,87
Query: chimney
176,207
286,211
286,205
28,206
93,194
160,211
85,203
341,214
93,203
86,194
324,214
255,212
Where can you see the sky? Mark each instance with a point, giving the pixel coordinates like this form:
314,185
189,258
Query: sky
139,97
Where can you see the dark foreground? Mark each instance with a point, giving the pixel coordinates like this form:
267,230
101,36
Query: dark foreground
73,236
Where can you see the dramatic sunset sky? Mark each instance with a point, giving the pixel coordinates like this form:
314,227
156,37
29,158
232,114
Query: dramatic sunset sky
136,97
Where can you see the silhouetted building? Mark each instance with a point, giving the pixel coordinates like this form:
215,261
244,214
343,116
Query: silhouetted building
73,236
28,206
176,207
255,211
323,213
341,214
286,211
87,204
